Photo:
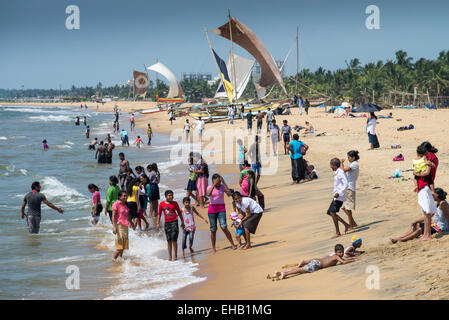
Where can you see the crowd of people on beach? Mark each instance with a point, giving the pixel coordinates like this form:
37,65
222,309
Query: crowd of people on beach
133,198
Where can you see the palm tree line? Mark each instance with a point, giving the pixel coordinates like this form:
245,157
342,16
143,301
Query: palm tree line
377,82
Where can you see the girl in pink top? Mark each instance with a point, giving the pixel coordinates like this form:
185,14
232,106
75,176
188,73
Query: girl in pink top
217,208
96,200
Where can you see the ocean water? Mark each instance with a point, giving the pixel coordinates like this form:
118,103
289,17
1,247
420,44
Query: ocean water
35,266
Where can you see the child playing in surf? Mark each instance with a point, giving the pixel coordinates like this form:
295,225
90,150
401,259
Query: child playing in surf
97,207
352,251
189,224
238,230
171,212
138,142
45,145
309,266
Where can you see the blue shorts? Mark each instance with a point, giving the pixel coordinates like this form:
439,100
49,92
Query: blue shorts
239,231
256,167
221,217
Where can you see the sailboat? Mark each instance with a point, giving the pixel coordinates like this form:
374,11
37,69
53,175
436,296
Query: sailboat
238,33
175,93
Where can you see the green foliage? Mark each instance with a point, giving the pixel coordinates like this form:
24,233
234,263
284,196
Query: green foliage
355,83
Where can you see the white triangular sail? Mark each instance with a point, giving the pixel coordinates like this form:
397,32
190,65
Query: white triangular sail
175,88
243,68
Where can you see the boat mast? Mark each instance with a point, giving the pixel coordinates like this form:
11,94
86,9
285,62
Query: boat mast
234,89
297,58
211,51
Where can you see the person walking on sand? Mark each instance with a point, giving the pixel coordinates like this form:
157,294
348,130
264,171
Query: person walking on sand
256,159
275,133
296,148
300,103
286,135
352,174
371,130
251,212
34,200
202,177
259,118
270,118
312,265
191,183
306,106
172,212
200,127
121,223
217,209
187,129
242,150
340,189
249,118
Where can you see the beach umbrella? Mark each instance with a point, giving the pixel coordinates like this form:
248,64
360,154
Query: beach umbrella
368,107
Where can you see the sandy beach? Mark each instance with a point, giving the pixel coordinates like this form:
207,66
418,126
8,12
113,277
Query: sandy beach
295,226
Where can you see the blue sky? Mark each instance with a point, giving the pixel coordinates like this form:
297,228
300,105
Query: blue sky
37,51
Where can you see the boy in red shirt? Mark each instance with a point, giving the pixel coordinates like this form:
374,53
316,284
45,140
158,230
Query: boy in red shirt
171,213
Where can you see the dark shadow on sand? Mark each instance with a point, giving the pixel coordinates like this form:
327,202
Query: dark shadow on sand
364,227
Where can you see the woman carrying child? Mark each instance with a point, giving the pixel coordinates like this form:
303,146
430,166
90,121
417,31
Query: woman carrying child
423,185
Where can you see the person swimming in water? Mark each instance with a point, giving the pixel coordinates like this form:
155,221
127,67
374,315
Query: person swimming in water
93,143
77,122
85,121
45,145
87,132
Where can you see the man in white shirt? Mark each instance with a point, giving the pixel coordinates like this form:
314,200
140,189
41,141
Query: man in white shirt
300,103
340,187
231,113
200,126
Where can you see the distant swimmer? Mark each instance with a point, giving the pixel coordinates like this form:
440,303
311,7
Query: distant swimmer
85,106
77,122
34,200
87,132
93,143
85,121
133,124
45,145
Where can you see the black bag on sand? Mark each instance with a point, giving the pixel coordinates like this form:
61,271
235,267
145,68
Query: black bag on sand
261,200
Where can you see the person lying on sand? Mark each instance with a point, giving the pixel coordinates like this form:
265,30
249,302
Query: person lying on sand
352,251
390,116
309,266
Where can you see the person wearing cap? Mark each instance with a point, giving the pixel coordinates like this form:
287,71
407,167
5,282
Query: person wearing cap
351,251
239,231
